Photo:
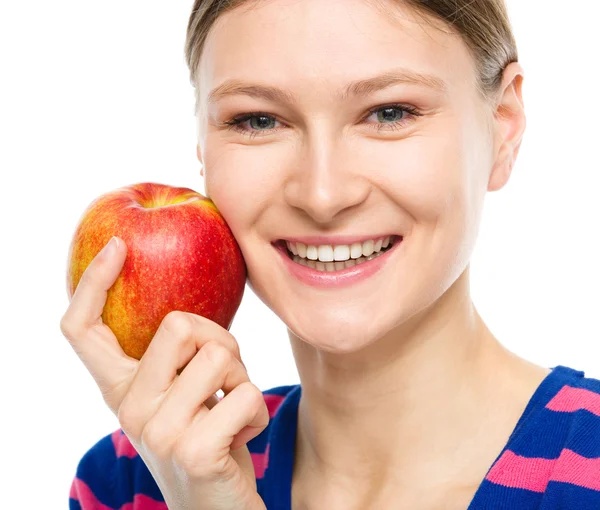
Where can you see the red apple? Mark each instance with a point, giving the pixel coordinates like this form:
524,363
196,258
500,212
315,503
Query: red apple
181,255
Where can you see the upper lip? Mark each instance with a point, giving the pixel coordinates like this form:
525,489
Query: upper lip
335,240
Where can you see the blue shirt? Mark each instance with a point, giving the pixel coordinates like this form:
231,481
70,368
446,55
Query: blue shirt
550,462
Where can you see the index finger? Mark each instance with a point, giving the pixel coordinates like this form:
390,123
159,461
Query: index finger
178,338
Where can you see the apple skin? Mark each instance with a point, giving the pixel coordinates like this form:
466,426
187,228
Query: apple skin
181,255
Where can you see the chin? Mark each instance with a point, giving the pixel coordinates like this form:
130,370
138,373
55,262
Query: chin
337,335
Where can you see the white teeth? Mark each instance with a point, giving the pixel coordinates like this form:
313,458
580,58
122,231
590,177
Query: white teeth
311,253
334,266
356,250
341,253
325,253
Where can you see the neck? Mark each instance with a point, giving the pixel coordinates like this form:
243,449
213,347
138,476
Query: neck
410,402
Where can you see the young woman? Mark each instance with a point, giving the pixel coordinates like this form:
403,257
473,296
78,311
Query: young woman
367,134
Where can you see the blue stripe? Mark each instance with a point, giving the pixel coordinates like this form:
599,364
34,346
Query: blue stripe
567,495
578,431
540,433
498,497
74,504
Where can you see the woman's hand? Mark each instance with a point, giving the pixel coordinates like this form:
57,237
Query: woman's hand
193,444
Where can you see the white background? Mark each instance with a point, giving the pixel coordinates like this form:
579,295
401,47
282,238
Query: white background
95,96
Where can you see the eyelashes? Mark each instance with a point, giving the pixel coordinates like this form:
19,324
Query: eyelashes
409,115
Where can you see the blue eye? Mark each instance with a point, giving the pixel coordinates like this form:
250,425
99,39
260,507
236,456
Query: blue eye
389,117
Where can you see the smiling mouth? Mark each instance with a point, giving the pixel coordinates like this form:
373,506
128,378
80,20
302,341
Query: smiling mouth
321,260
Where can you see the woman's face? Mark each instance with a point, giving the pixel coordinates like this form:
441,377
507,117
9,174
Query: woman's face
316,162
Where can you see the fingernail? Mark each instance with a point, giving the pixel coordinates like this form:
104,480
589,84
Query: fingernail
110,248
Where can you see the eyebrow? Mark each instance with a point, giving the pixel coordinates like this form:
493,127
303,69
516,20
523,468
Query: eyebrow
360,88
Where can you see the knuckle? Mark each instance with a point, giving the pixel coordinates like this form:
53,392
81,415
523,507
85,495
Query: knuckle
253,394
177,323
67,328
224,336
217,354
235,346
71,328
254,399
128,417
124,416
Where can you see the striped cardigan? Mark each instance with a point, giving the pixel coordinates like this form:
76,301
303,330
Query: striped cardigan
550,462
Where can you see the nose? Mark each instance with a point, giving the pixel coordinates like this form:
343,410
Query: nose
324,183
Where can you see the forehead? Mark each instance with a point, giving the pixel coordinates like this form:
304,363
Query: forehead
322,45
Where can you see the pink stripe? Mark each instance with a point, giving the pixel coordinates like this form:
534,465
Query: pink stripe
258,459
578,470
143,502
123,447
261,462
534,473
81,492
512,470
273,402
570,399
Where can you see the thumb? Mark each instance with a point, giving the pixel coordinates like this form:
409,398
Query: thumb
88,293
93,341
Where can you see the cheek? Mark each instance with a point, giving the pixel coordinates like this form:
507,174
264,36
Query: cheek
240,180
424,175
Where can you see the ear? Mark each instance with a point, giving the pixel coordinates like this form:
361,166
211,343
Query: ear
509,125
199,155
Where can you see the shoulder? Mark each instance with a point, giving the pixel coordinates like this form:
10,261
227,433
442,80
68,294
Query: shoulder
574,459
552,459
112,473
567,416
558,451
576,396
576,406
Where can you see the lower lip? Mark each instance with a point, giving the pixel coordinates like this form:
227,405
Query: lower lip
341,278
